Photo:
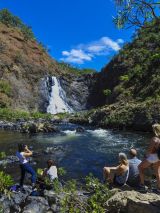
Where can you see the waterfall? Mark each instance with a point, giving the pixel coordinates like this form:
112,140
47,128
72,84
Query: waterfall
57,99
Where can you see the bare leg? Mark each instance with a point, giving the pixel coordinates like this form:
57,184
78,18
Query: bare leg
157,172
142,166
108,173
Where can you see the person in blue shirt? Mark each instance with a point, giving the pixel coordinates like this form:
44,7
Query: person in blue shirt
133,178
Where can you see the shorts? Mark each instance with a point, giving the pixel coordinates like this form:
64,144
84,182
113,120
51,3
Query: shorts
115,182
152,158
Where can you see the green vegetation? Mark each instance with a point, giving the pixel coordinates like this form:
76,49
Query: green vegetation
124,78
107,92
5,182
13,21
136,12
71,201
12,115
70,69
139,63
5,87
95,203
2,155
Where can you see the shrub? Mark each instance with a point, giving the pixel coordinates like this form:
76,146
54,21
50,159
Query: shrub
5,87
27,32
95,203
8,114
5,182
2,155
124,78
107,92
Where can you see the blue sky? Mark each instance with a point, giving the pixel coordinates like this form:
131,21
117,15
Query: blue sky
80,32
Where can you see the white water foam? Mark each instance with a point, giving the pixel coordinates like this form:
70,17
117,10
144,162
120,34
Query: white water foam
99,132
69,132
57,102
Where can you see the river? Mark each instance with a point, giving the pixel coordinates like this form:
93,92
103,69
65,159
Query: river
79,153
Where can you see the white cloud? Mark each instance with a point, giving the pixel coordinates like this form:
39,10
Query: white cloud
120,41
86,52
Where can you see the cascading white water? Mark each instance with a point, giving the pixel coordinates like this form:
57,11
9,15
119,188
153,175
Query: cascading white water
57,103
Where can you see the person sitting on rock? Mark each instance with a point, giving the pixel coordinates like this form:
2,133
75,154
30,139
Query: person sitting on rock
117,175
23,154
133,178
51,171
152,159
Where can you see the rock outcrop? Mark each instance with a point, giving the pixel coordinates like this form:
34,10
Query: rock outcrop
132,201
50,201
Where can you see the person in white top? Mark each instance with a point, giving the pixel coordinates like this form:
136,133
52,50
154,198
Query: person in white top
51,171
23,154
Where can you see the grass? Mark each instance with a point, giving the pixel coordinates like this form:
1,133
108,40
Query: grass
13,115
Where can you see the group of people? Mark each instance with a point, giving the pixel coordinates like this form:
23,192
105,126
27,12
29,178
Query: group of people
128,171
23,155
132,171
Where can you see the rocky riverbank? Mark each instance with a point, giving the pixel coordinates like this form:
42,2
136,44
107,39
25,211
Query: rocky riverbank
131,116
31,126
51,202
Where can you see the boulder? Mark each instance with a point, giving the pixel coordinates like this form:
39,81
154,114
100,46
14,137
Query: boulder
132,201
36,205
35,127
80,129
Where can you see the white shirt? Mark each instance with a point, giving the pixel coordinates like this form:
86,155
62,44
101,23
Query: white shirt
52,172
21,157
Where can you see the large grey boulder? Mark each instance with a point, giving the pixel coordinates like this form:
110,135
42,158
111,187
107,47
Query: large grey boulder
36,205
133,202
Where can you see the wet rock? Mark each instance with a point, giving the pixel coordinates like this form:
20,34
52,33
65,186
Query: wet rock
51,196
132,201
80,129
36,205
9,160
33,127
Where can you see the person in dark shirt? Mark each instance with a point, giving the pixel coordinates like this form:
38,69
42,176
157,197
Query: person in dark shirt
133,178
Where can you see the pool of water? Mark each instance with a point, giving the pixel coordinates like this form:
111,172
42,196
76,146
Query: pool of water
79,153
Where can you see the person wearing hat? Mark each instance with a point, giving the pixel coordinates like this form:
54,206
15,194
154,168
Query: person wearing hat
133,178
152,158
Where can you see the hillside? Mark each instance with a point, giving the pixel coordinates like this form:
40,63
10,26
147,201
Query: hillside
128,88
25,66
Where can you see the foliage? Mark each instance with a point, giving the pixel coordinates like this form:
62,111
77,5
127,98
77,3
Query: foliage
61,171
1,209
44,47
107,92
5,182
94,203
11,115
70,69
124,78
13,21
2,155
136,12
5,87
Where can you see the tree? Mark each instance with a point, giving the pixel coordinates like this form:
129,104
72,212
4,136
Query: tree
136,12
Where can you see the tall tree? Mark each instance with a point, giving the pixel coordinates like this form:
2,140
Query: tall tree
136,12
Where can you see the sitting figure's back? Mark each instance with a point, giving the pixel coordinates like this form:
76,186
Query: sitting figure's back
133,179
51,171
